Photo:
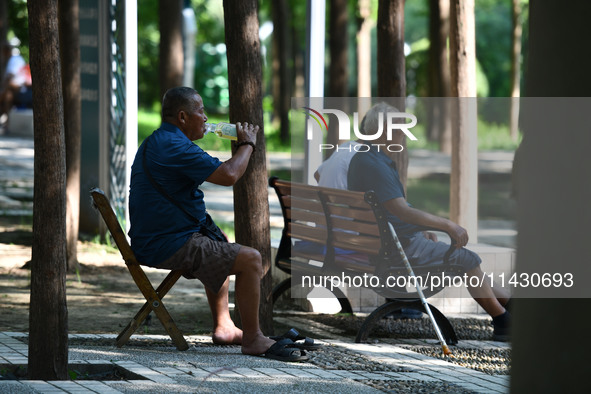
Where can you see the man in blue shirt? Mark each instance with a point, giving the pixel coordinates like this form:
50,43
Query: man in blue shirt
168,219
374,170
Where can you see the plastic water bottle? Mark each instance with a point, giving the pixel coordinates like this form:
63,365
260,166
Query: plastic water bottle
222,130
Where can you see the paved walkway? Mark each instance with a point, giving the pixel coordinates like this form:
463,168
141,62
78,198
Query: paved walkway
208,368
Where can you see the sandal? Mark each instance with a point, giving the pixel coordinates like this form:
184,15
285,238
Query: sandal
284,350
300,342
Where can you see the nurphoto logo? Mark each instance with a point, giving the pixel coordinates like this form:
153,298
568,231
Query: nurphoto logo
388,122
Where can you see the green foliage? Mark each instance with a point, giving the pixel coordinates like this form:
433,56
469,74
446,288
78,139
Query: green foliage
148,39
18,25
148,121
493,43
491,136
211,77
208,74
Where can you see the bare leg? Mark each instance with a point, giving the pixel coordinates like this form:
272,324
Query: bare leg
485,296
248,269
224,330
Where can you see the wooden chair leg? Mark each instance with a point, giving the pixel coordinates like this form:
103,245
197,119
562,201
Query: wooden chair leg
145,310
155,304
153,297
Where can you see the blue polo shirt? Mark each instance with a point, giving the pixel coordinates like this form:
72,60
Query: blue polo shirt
158,227
373,170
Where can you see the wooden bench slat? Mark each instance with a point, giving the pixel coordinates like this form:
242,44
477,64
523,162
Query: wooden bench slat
345,197
339,223
306,233
354,213
306,216
301,204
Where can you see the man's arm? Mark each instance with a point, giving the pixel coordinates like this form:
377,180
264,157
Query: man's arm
407,214
228,173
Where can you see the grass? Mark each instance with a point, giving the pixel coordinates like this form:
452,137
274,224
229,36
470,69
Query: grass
431,194
491,136
149,120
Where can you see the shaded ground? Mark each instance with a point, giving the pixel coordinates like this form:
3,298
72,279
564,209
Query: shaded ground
101,296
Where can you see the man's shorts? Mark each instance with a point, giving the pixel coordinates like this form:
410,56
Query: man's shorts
421,251
204,259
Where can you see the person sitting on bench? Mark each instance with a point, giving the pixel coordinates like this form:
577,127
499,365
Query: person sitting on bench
420,247
171,229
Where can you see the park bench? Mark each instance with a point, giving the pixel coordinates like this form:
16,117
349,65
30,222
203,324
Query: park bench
153,296
346,233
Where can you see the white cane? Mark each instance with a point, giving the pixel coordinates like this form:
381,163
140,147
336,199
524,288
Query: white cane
444,347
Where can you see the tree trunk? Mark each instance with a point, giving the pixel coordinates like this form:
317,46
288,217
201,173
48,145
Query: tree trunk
464,158
70,61
251,200
48,315
439,126
281,69
171,44
364,51
391,66
515,69
553,212
3,32
338,73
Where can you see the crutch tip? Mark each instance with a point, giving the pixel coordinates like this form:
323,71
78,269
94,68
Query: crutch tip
446,350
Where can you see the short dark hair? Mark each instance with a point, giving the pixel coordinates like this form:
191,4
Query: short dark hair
177,99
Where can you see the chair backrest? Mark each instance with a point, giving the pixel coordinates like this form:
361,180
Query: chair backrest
104,206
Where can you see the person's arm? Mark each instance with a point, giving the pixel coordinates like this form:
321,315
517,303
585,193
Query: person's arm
407,214
228,173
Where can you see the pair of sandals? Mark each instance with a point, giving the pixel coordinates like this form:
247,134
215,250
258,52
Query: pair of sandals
291,347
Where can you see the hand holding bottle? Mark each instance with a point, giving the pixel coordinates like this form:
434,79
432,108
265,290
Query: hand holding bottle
247,132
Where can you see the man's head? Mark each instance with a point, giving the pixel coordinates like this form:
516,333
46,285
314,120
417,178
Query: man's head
183,107
371,122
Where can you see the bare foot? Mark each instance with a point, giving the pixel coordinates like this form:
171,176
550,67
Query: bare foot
257,346
227,336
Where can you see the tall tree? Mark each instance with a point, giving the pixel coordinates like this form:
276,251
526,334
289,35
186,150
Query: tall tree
554,185
69,32
338,73
439,126
338,40
391,65
171,56
364,24
281,67
48,313
515,68
3,30
464,157
251,200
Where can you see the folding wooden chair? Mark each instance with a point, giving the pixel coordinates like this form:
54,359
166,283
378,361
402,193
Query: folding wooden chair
153,297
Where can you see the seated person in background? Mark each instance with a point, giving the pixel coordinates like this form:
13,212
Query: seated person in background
170,228
16,82
421,247
333,173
